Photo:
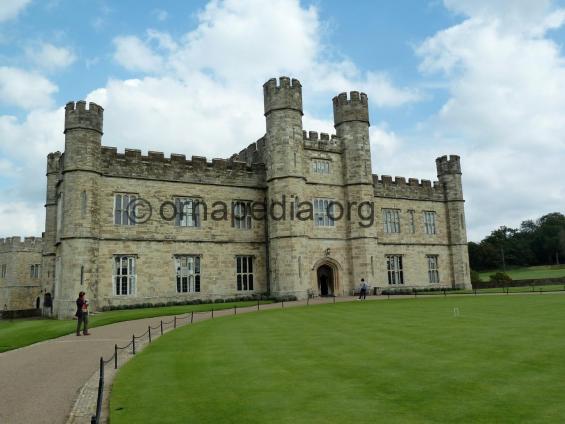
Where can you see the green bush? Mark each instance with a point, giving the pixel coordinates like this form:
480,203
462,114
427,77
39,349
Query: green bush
500,279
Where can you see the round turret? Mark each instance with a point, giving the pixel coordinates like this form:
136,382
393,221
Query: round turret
286,95
356,108
77,116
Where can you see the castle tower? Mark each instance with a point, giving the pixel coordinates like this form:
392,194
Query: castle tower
351,121
78,226
449,175
284,156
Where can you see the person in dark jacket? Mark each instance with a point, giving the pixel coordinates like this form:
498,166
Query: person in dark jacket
82,314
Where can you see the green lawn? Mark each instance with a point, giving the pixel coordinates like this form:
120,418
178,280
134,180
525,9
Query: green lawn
527,273
390,361
23,332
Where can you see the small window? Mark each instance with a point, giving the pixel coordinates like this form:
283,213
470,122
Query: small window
188,273
430,222
324,212
124,275
321,166
83,200
244,273
3,270
391,220
59,216
433,271
124,209
187,212
411,222
241,214
394,269
34,271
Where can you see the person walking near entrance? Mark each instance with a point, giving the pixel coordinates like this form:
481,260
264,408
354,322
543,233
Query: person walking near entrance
363,289
82,314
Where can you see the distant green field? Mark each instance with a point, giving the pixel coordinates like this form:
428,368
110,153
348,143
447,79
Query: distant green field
527,273
458,359
23,332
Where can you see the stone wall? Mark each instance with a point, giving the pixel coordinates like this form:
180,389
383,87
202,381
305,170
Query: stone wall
19,289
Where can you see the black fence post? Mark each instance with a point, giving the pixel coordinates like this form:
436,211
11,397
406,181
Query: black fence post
212,313
282,304
161,327
175,322
115,356
133,343
149,329
334,299
96,418
191,317
235,309
444,293
258,304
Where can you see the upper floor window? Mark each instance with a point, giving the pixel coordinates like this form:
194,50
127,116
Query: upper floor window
430,222
34,271
187,212
241,214
433,271
124,209
321,166
124,275
324,212
188,273
394,269
391,220
244,272
411,221
3,270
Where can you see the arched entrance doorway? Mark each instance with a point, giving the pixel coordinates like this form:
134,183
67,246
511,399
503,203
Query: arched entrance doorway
326,280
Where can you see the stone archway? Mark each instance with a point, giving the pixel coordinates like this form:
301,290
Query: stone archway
325,277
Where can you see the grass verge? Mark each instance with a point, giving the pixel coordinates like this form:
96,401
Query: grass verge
23,332
493,359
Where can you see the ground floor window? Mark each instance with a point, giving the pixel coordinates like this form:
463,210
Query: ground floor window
394,269
433,271
124,275
244,272
34,271
3,269
188,273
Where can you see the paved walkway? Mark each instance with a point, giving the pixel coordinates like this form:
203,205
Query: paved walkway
40,383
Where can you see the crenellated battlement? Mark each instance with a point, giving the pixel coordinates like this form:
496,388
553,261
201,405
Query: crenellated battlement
413,188
282,94
322,141
14,244
354,108
448,165
155,165
78,116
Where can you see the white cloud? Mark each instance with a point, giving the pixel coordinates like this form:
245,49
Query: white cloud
9,9
504,114
134,55
25,89
50,57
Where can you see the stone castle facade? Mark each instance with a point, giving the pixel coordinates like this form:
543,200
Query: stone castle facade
295,213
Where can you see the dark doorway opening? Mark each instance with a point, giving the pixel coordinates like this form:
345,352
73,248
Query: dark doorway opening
325,281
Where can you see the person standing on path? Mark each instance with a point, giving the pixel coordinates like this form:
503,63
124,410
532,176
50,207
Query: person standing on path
82,314
363,290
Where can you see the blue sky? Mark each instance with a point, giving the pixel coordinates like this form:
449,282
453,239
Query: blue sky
476,78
